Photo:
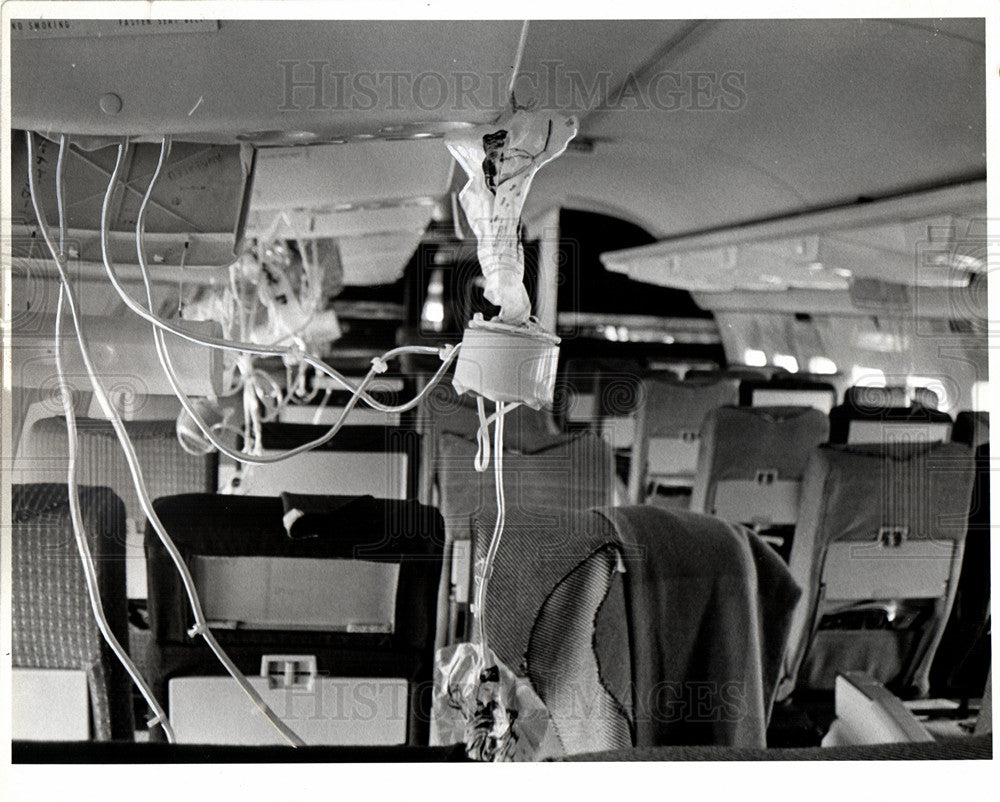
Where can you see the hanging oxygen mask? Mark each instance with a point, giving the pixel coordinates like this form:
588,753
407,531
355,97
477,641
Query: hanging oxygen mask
508,359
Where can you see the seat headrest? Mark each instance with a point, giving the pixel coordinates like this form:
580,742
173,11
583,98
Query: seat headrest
971,428
876,397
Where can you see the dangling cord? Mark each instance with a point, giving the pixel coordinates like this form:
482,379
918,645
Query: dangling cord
135,469
482,461
482,437
517,64
497,534
73,489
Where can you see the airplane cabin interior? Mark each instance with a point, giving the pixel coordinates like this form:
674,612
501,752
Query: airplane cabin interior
496,390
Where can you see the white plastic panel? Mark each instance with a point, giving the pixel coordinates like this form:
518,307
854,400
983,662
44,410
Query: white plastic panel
331,711
915,569
823,400
461,555
582,408
49,705
672,456
619,430
329,415
335,473
863,431
376,258
748,502
324,176
298,593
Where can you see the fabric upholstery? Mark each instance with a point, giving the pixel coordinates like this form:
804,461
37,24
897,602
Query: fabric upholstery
403,532
709,606
964,655
684,647
671,408
854,410
850,494
737,442
52,621
562,663
166,468
444,415
547,483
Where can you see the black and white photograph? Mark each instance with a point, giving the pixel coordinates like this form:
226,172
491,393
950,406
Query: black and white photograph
599,391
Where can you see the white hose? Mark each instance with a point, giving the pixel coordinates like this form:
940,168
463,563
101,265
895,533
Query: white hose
164,356
201,624
240,346
491,553
73,492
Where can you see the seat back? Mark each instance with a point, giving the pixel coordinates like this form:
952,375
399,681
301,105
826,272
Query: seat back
53,628
545,485
450,484
377,460
598,395
42,456
785,391
751,462
443,411
668,426
881,415
877,549
964,655
287,617
971,428
622,617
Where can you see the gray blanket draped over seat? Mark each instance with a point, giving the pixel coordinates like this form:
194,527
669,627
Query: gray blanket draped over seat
685,646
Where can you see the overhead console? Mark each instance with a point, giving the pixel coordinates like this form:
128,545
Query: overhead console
932,240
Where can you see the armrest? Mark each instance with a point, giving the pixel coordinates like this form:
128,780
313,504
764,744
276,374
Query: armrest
867,713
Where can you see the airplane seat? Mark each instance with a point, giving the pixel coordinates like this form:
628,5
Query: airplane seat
925,397
66,682
622,617
326,603
441,413
881,415
867,713
965,654
545,482
971,428
167,469
364,459
598,394
751,462
877,550
667,430
784,390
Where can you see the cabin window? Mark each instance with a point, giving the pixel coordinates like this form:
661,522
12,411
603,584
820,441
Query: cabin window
867,377
787,361
822,365
981,396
